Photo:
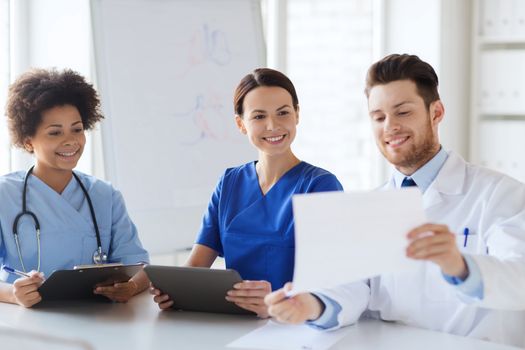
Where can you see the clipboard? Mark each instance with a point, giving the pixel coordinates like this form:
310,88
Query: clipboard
79,283
197,288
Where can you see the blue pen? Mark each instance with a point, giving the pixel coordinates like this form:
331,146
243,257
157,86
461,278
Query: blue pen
465,233
15,272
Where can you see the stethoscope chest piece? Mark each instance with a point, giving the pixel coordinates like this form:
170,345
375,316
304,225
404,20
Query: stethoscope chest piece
99,257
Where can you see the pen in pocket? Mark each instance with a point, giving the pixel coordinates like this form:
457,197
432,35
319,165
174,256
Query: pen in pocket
465,233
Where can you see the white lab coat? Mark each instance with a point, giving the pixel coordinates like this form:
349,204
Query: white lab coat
492,206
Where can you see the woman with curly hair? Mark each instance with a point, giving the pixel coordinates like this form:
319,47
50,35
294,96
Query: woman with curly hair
52,217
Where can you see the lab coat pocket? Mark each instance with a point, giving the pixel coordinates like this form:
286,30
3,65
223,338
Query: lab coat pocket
469,243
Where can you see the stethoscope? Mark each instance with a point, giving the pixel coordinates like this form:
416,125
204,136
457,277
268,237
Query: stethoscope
99,257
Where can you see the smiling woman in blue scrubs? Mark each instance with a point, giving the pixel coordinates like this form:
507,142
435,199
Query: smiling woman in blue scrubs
249,219
48,112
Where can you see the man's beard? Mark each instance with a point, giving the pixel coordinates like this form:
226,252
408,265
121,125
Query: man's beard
418,155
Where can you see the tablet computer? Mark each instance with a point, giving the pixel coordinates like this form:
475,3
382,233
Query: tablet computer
80,283
197,288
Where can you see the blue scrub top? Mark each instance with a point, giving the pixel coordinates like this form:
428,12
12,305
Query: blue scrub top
67,233
255,232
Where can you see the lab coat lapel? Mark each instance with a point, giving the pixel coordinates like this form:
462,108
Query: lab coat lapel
449,181
390,185
431,197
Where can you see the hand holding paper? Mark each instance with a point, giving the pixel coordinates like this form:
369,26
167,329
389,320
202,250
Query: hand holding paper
344,237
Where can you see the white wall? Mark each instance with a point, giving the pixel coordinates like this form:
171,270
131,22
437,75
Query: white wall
413,26
59,34
5,156
455,73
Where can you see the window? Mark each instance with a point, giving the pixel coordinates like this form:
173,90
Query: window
330,45
37,29
5,154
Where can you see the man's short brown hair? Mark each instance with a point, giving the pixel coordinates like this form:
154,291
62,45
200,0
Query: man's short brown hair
405,67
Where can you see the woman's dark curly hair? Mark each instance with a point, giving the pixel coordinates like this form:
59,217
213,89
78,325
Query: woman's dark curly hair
39,90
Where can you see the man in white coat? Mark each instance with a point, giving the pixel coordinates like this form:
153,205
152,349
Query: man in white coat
472,281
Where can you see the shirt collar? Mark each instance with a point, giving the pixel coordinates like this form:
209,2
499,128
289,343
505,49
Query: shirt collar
424,176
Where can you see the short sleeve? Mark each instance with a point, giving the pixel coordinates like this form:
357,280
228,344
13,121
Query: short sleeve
326,183
209,234
125,244
3,216
3,276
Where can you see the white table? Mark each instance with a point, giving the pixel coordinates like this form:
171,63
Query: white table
139,324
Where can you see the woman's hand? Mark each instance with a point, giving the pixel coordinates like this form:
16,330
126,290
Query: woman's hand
120,292
25,289
123,291
163,300
250,296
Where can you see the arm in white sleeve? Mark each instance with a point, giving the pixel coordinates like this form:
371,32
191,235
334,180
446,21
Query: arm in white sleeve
344,305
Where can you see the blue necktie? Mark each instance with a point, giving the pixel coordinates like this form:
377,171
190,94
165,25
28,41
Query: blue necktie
408,182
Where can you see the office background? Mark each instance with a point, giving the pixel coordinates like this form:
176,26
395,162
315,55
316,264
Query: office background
325,46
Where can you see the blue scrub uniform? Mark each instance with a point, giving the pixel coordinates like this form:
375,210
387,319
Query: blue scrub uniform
67,234
255,232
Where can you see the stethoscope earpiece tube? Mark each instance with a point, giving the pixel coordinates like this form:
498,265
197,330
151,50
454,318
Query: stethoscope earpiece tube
99,257
35,220
94,218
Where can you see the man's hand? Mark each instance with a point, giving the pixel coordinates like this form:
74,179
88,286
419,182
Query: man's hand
437,244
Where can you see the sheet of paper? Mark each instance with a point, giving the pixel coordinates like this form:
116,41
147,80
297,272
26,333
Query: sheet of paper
275,336
344,237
